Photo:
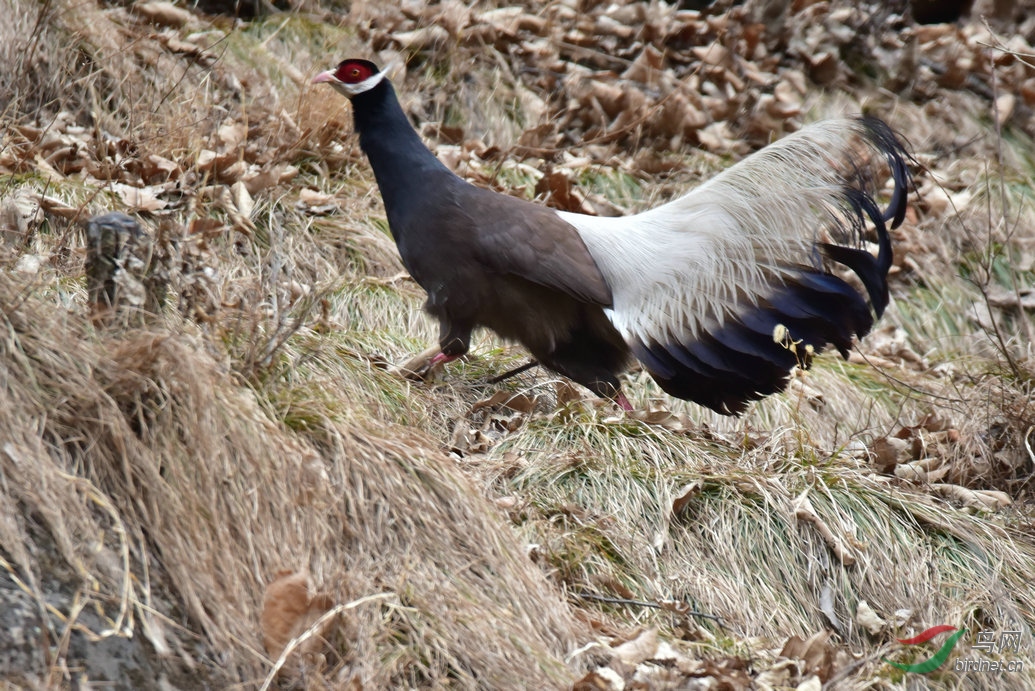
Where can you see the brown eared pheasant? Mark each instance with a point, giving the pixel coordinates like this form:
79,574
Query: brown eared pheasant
719,294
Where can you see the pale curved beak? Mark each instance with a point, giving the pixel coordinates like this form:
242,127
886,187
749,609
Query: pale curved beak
327,76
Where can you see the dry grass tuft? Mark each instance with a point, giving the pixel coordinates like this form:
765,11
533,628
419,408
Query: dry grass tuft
159,478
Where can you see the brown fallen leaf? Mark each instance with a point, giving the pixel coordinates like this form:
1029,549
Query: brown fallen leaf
812,683
803,511
559,189
868,619
888,452
602,679
522,403
163,13
1027,90
780,675
924,470
816,652
719,138
635,651
242,199
648,66
232,134
157,169
212,162
422,38
19,214
799,390
289,607
268,177
980,499
223,198
139,198
663,418
314,198
567,393
1004,107
685,495
714,54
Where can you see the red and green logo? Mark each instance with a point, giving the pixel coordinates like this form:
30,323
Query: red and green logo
938,659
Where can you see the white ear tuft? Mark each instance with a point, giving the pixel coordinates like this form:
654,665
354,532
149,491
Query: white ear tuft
365,85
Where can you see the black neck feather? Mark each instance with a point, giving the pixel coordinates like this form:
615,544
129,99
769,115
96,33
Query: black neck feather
400,160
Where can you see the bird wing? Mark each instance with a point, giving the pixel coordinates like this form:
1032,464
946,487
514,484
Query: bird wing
720,293
531,241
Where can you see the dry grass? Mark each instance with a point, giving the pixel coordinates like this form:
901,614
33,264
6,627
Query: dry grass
160,477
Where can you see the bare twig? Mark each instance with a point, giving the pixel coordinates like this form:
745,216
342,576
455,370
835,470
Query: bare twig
653,605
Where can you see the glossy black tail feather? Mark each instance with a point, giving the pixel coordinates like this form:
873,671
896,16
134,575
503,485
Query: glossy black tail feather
897,157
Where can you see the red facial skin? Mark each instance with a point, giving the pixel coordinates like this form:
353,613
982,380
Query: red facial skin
353,72
348,73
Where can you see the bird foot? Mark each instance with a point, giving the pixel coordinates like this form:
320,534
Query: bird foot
441,359
623,402
422,365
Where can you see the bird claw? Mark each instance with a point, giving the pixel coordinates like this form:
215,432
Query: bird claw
622,402
423,365
419,366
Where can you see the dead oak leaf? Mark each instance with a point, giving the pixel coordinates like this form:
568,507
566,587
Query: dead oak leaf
289,607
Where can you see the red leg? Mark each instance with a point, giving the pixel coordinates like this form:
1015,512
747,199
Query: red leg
442,358
418,366
623,402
